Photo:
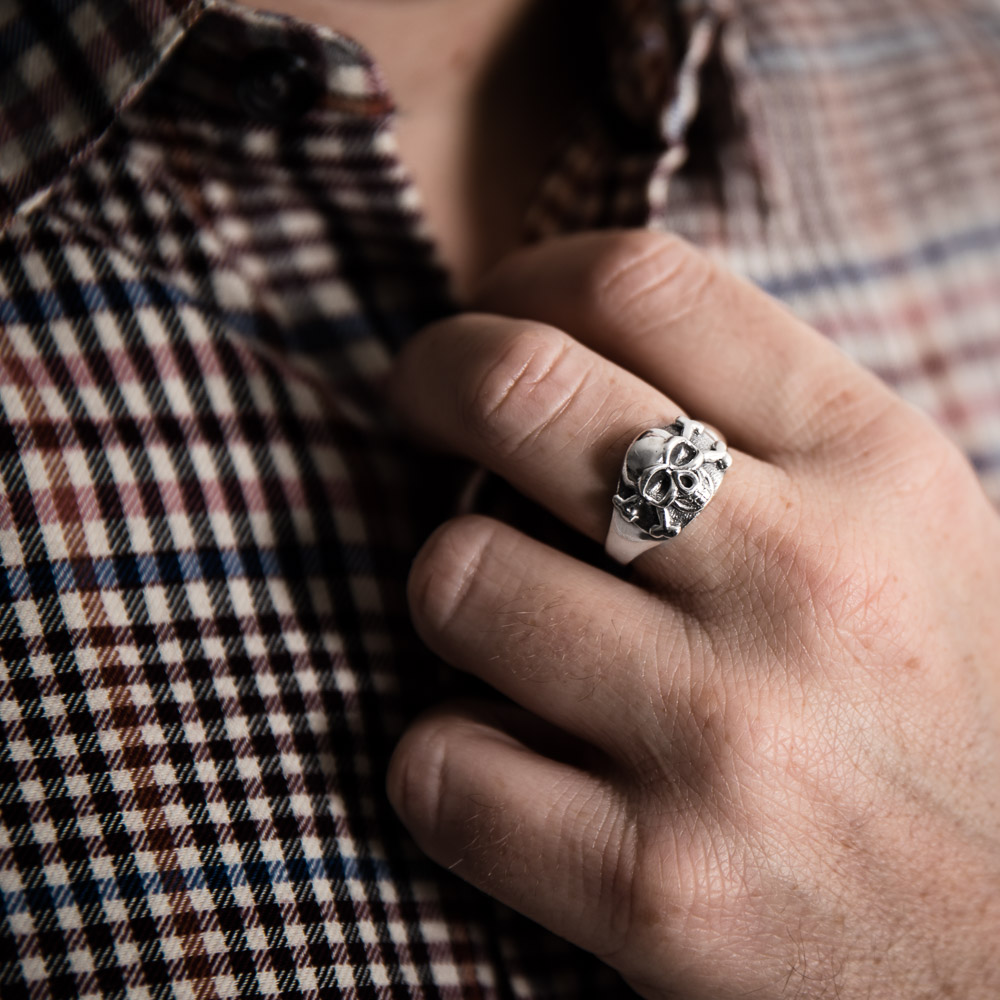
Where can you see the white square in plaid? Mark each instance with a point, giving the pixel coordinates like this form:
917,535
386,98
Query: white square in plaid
171,652
133,819
27,616
255,935
180,403
31,790
141,694
37,273
94,403
147,861
121,464
248,767
213,942
128,654
45,833
87,661
135,398
181,691
231,291
272,850
225,986
164,775
150,324
32,966
157,606
14,409
19,750
72,610
447,975
55,540
53,706
198,598
153,736
225,686
96,536
219,813
81,961
347,679
279,595
69,917
259,809
206,770
10,547
78,471
267,683
160,904
281,726
88,823
239,593
323,890
115,910
118,77
87,24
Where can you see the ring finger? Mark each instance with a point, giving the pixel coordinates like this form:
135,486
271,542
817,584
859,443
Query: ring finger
554,419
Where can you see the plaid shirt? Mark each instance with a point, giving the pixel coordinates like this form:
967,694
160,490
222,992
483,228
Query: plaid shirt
208,253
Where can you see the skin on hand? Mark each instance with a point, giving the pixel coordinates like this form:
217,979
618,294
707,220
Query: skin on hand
767,763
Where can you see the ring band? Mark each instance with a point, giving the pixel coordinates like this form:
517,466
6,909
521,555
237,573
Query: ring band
668,477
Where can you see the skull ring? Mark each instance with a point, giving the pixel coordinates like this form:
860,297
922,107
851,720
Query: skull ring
669,474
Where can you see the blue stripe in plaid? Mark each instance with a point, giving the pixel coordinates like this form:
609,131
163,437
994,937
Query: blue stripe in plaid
89,299
139,884
929,255
899,42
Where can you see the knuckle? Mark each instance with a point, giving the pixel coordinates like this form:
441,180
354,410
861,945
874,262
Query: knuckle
524,388
848,414
444,571
863,433
841,413
661,268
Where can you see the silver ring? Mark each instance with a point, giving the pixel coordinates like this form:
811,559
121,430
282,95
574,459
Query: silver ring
668,477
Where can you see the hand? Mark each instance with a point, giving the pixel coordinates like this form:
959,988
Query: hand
768,763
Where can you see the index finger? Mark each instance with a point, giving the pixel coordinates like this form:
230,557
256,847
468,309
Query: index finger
725,351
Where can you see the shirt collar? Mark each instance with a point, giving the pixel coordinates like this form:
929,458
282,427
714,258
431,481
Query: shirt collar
68,68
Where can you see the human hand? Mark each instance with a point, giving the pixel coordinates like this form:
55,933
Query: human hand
767,764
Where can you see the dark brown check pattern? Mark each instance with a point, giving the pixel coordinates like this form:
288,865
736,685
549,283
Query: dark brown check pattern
208,253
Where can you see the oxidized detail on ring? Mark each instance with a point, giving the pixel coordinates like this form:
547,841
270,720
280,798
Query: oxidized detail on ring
669,474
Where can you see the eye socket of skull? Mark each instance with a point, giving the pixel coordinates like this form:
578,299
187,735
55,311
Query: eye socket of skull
682,454
657,486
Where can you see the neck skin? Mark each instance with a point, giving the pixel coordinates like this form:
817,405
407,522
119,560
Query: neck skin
484,91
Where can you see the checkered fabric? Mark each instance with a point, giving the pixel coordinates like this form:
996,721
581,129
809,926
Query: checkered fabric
208,252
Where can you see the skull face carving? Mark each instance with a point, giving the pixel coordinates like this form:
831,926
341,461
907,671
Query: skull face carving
669,475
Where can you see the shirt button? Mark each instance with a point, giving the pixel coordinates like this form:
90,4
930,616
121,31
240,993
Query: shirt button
276,84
